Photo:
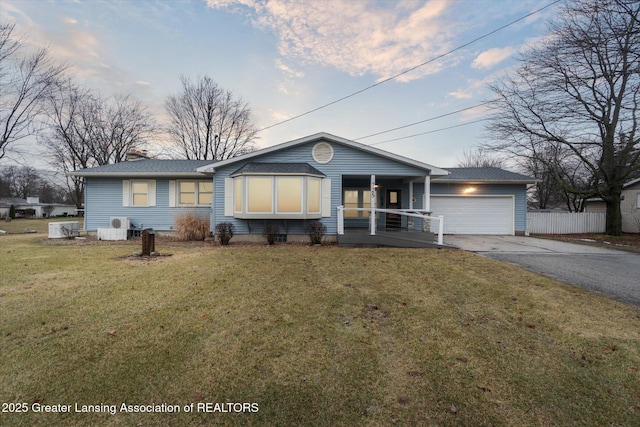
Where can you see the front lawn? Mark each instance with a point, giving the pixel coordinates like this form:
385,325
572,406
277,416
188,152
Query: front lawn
297,335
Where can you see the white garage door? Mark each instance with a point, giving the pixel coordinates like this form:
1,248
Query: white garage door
474,214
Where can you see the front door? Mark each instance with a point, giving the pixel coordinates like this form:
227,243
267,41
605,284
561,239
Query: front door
393,202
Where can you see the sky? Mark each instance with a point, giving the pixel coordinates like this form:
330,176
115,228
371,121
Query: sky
286,58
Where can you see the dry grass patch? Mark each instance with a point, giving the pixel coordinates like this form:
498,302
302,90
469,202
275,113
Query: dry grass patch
314,336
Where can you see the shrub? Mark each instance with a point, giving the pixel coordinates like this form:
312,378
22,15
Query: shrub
316,231
224,231
271,233
12,212
190,226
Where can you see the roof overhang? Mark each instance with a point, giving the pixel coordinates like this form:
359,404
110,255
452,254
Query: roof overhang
139,174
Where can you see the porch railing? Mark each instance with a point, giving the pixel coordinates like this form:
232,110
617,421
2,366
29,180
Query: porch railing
409,213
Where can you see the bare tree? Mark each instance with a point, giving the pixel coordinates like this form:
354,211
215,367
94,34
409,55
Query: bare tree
25,81
479,158
69,137
116,126
85,130
579,90
208,123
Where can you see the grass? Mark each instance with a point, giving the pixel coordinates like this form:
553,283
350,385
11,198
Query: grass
312,335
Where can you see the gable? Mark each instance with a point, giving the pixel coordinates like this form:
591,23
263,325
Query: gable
324,149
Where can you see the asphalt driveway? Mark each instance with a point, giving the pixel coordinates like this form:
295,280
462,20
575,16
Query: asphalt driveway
615,273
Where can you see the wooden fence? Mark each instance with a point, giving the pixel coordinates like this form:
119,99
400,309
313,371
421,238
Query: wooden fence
566,222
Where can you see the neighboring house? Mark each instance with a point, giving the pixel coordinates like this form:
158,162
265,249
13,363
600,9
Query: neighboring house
31,207
629,207
304,180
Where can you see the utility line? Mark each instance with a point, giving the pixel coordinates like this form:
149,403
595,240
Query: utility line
425,120
412,68
431,131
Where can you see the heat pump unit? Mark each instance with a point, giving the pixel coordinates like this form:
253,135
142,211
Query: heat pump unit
119,222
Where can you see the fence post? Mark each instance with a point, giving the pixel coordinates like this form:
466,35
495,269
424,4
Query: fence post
340,219
440,229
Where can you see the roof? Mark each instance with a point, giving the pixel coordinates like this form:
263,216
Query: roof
323,136
484,175
146,168
630,183
278,168
16,201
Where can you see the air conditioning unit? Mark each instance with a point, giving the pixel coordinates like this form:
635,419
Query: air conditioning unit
119,222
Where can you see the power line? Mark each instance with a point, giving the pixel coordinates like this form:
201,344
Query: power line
424,121
431,131
412,68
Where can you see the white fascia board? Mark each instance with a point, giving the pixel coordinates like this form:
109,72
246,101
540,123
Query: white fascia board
139,174
323,136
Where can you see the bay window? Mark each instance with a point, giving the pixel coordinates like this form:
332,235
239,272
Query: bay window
276,196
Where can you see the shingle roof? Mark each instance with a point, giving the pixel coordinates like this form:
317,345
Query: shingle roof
278,168
483,175
149,167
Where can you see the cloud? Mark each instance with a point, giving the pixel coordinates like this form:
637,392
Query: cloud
288,71
461,94
356,37
492,57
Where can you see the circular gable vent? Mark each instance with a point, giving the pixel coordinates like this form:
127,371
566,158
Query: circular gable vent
322,152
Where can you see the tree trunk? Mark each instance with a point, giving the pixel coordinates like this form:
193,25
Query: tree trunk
614,216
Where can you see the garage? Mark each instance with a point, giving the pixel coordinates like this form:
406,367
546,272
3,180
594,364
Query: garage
475,214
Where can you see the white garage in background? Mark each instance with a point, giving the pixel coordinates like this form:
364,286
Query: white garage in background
475,214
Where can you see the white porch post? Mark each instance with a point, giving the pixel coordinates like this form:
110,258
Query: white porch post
340,219
372,214
410,218
427,193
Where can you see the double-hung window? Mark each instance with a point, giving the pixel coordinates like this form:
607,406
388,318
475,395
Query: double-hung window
187,193
138,192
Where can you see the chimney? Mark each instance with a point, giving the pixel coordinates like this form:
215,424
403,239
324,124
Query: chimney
136,154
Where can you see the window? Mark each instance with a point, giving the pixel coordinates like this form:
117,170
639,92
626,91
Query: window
238,185
357,198
205,192
139,192
638,200
259,194
313,195
190,193
289,194
277,196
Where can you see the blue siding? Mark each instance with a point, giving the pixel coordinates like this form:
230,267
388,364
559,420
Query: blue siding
103,199
517,190
346,161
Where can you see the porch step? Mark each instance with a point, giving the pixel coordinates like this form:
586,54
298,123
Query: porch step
392,239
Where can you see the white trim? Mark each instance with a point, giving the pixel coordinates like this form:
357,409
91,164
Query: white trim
151,192
228,196
126,190
325,197
172,194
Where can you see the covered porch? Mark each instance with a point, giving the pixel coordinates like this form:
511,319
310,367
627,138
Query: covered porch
387,211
